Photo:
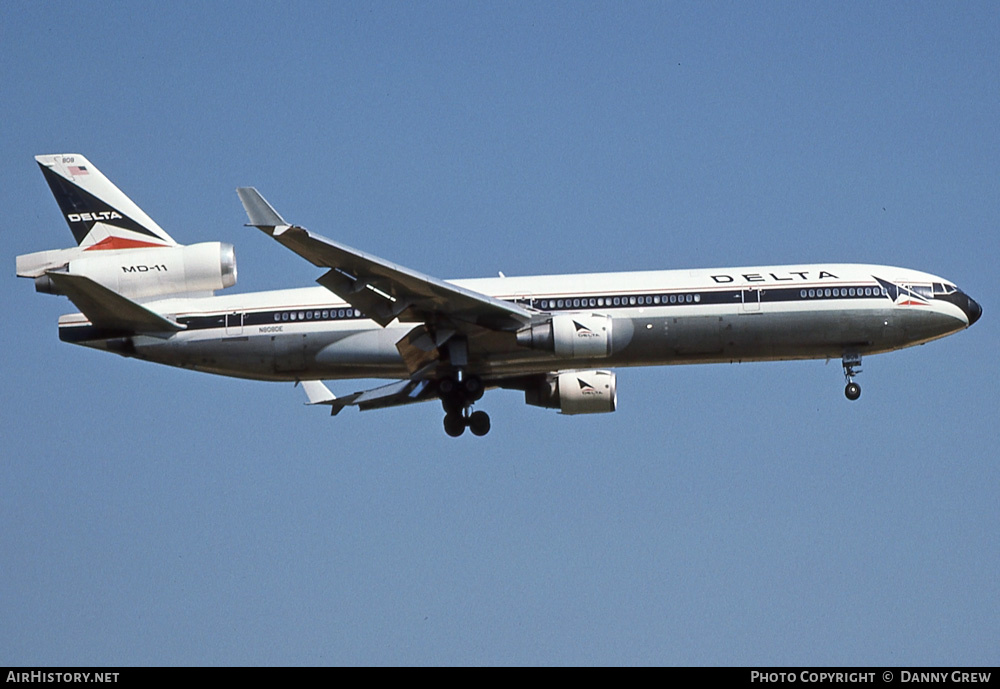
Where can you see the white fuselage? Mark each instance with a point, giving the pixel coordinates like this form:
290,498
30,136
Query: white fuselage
658,317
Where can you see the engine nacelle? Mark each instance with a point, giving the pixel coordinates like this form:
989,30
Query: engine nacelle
575,336
576,392
153,272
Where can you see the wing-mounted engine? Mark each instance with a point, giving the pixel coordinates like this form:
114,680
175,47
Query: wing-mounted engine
575,392
575,336
138,273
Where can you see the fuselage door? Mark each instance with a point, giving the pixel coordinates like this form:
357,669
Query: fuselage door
751,299
234,324
523,299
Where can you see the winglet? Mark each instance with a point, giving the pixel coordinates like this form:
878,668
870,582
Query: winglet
317,392
262,214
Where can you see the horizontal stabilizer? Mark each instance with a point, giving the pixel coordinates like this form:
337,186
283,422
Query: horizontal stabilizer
109,310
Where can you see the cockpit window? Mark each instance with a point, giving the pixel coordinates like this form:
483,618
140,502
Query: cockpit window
944,288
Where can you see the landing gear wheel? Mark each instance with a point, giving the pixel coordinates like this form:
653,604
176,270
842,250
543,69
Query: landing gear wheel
852,391
454,425
852,367
479,423
473,388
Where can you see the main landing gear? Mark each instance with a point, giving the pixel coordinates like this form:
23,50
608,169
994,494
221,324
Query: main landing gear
852,367
457,397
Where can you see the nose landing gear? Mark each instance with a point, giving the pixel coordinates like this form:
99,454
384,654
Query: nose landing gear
852,367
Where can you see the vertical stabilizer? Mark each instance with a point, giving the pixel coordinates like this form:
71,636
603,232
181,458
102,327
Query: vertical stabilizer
98,213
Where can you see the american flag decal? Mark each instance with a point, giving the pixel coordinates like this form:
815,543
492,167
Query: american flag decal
78,170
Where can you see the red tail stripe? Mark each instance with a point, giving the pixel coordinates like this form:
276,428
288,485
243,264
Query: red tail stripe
120,243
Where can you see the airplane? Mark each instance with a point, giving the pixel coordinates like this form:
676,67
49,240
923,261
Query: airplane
555,337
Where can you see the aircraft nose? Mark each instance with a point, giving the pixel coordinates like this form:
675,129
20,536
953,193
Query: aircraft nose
973,310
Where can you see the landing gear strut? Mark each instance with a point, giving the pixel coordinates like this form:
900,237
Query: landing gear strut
852,367
457,397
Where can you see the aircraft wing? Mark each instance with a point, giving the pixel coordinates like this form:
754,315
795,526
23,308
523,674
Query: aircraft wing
109,310
382,290
393,394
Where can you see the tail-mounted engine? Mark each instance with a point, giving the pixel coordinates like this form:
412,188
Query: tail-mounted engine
575,336
575,392
139,273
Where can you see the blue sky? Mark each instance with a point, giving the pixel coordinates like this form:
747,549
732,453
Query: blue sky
730,514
